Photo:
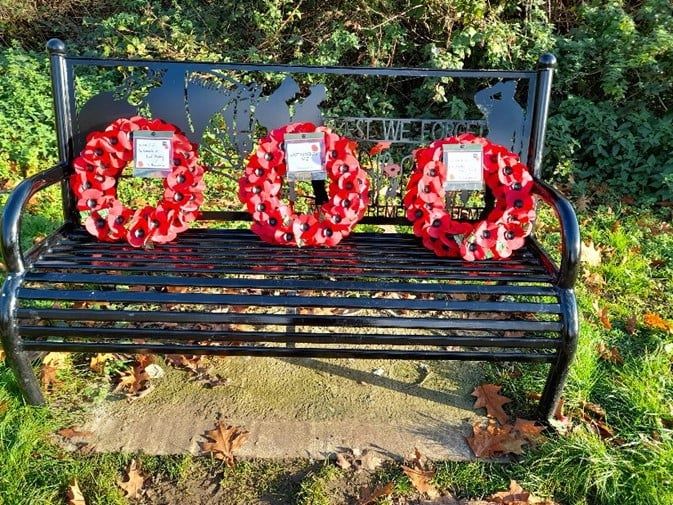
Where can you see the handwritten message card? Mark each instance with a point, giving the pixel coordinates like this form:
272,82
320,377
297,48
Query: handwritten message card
305,156
464,169
152,154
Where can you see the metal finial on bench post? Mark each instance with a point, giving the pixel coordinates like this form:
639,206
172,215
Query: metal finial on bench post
545,73
62,117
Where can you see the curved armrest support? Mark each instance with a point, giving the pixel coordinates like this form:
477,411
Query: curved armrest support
11,217
570,233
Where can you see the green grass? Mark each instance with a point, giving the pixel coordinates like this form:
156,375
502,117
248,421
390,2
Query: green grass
577,468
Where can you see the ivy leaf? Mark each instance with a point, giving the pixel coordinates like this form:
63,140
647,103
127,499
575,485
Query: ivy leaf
223,441
489,397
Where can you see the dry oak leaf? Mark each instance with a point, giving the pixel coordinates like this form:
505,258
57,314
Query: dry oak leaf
134,381
134,481
655,321
516,495
489,397
48,377
590,254
528,430
630,325
369,497
602,313
97,363
223,441
73,432
74,494
609,354
421,475
493,439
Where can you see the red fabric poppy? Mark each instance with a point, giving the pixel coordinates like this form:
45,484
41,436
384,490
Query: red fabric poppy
139,233
98,226
511,236
260,188
269,154
510,184
96,173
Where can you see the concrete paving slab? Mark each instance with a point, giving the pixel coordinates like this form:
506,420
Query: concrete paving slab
301,408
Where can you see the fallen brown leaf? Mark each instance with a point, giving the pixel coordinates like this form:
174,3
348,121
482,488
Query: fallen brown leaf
97,363
528,430
631,323
493,439
609,354
602,313
134,381
590,254
342,461
71,433
489,397
370,496
74,494
420,474
516,495
223,441
656,322
48,377
134,481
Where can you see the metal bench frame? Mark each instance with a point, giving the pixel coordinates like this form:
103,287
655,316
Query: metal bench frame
366,270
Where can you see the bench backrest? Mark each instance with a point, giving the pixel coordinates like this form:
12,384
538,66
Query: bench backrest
226,107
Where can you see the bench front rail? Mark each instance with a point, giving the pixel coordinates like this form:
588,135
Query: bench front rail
224,292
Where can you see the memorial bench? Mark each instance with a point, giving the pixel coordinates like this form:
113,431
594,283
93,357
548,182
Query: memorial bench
219,290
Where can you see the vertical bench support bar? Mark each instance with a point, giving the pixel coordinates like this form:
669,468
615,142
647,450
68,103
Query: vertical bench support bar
17,358
551,395
62,116
545,71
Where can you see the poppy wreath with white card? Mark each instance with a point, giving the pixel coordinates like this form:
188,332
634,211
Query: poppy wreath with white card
506,226
96,175
276,221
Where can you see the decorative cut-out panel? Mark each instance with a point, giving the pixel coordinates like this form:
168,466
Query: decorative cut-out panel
227,108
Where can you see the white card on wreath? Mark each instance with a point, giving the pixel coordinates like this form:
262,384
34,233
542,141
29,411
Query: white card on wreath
152,154
464,167
305,156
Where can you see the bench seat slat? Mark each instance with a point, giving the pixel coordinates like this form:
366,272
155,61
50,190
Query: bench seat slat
288,284
179,317
284,301
282,337
294,352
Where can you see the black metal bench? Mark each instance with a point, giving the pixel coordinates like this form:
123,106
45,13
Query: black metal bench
379,294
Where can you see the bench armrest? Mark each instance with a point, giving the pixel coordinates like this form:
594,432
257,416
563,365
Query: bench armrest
570,233
11,217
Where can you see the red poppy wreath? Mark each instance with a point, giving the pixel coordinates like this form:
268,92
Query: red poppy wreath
96,174
505,228
276,222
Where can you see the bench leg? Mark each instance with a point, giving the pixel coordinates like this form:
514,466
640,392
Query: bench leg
551,395
17,358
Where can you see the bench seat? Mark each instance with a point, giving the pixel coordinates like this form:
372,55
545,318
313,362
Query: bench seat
229,289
